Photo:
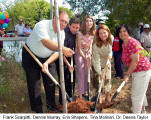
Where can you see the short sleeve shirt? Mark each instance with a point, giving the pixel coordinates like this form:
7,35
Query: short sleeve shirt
133,46
146,39
43,30
27,30
19,29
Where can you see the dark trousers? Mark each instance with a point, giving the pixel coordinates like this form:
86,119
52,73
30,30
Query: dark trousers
1,47
33,72
67,79
118,64
1,50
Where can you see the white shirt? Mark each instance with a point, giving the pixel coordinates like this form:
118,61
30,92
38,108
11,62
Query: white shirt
43,30
146,39
19,28
100,57
27,30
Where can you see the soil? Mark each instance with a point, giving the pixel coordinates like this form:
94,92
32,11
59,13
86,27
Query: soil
84,106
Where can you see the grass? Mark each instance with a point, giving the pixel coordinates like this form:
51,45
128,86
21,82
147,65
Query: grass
14,95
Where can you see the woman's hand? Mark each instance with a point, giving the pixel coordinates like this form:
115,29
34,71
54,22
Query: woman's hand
71,69
102,77
126,77
82,54
88,60
45,67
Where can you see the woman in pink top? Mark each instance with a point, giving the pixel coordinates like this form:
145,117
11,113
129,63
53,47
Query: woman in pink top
83,53
138,66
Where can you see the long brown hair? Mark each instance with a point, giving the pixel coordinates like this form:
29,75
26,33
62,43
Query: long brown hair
98,40
92,30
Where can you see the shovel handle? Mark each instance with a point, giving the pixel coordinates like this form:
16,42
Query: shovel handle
89,84
98,96
72,78
117,91
40,64
122,85
72,71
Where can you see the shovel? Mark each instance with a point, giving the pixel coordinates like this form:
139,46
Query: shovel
118,90
89,84
114,96
97,97
89,78
98,93
47,72
72,86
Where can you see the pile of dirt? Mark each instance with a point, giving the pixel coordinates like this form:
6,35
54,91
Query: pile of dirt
105,105
83,106
80,106
77,106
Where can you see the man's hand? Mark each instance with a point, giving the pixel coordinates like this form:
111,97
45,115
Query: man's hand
67,51
45,67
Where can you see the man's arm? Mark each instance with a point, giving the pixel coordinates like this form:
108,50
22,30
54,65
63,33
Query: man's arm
142,40
54,46
71,69
26,32
50,60
16,34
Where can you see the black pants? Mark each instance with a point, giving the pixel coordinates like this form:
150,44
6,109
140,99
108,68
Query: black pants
118,64
1,47
33,72
1,50
67,79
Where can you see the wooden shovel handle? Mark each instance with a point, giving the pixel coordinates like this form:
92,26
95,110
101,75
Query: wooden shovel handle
40,64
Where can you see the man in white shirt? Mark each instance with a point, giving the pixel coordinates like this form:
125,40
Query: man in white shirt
139,31
19,29
43,43
146,38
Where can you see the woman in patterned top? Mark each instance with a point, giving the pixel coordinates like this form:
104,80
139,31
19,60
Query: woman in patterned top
138,66
101,60
83,53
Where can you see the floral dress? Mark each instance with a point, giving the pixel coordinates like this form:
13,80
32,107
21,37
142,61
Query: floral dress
81,63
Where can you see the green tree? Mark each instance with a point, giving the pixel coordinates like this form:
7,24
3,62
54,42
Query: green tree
31,11
129,11
83,7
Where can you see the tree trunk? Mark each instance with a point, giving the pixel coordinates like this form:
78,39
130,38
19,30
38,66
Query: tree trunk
64,100
51,10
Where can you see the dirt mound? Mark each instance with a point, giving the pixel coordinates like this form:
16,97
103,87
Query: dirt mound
105,105
83,106
80,106
77,106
